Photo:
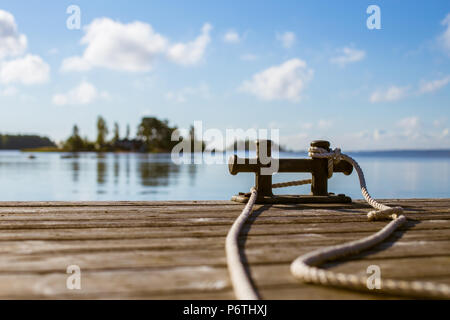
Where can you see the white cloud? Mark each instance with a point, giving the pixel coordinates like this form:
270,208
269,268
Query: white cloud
445,37
184,94
287,39
284,82
113,45
192,52
30,69
431,86
84,93
132,47
11,42
348,55
407,133
393,93
232,37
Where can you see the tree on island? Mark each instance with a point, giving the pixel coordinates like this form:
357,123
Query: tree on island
156,134
74,143
19,142
127,136
102,132
116,137
153,135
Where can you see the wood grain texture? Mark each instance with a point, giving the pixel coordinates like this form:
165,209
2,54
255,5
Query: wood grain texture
175,250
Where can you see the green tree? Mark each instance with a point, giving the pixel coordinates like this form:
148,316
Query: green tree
156,134
17,142
102,132
128,132
116,133
75,142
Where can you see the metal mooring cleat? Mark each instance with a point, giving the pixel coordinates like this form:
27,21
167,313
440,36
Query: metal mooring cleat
261,167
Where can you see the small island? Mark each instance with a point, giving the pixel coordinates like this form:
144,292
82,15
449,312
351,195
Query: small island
153,136
20,142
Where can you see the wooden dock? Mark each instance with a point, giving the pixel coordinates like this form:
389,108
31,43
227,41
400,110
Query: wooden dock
175,250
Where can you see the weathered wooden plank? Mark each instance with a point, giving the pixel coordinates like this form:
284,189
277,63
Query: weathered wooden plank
175,281
114,203
176,249
149,230
263,254
356,223
287,216
210,243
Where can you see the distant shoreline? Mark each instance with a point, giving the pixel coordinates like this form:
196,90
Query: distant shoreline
412,152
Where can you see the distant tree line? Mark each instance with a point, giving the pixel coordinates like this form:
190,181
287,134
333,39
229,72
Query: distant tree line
153,135
18,142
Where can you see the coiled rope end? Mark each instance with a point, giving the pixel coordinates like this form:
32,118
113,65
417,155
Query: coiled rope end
385,214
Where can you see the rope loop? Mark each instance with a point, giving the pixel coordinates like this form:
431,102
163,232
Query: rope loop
333,156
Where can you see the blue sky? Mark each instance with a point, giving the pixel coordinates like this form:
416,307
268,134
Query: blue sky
309,68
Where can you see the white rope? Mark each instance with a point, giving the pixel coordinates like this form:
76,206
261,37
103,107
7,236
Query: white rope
305,267
383,211
243,288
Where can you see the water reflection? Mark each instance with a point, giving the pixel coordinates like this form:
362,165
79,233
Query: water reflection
127,167
192,172
156,173
75,169
116,169
128,176
101,169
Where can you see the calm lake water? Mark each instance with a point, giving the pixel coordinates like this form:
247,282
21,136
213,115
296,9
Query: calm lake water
89,176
